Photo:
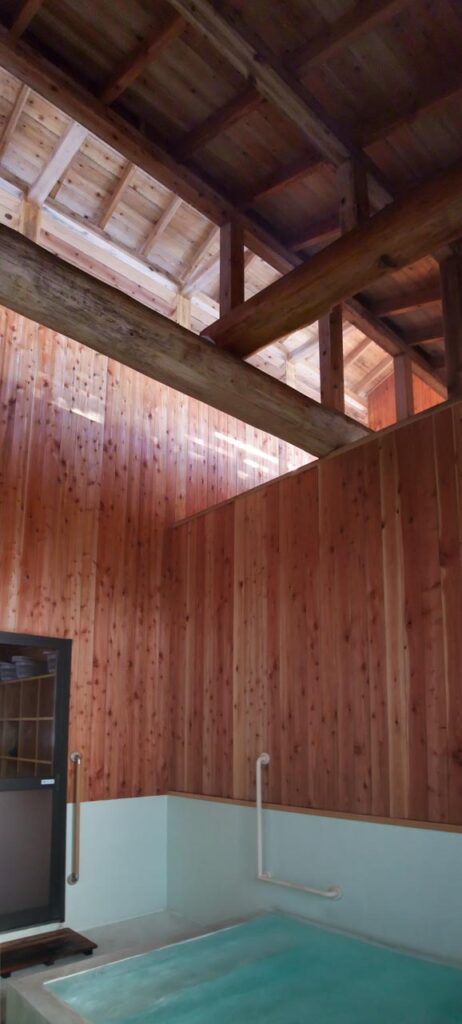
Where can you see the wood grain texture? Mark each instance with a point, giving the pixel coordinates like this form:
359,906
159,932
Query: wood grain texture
344,616
382,401
96,461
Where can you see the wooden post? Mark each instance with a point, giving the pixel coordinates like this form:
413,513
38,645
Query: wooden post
330,329
451,293
231,267
353,192
404,395
353,210
31,217
183,311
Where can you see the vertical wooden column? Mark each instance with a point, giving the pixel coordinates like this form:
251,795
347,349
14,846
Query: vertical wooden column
353,210
404,395
183,311
330,329
451,293
31,217
231,266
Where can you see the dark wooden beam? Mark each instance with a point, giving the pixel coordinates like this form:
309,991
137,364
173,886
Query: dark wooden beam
399,235
280,180
451,291
330,329
404,396
231,266
425,335
44,288
238,107
402,302
146,53
319,231
365,16
426,101
23,17
354,207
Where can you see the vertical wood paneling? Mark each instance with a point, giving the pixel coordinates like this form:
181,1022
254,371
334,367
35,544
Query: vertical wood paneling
346,619
95,462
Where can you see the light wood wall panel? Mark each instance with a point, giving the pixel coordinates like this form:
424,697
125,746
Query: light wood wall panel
341,587
95,462
381,402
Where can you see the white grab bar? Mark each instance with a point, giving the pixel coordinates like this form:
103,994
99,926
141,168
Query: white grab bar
333,893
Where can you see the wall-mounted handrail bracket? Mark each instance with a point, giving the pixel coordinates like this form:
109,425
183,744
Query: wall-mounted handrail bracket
333,893
74,876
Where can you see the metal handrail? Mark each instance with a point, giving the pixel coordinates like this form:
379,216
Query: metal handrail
333,893
74,876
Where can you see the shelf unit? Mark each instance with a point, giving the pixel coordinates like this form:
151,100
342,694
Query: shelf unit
27,726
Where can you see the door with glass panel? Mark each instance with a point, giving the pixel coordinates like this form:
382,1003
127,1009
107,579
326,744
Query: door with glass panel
34,699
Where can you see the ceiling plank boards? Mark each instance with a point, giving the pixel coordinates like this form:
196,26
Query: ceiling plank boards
395,237
65,151
364,16
277,182
146,53
274,83
44,288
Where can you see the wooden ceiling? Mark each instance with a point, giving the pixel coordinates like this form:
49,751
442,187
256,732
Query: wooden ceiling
243,111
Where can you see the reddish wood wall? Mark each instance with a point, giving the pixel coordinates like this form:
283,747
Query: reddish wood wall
382,404
95,461
320,618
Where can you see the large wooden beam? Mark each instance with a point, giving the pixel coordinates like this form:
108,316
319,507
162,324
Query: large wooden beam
42,287
364,16
231,267
451,290
399,235
146,53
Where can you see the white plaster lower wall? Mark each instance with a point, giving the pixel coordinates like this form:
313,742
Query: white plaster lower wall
123,863
400,885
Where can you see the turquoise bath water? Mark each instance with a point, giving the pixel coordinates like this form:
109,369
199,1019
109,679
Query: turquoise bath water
273,970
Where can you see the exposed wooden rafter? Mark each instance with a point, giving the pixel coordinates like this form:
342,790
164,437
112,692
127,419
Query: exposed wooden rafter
424,295
146,53
321,231
64,153
12,121
161,225
198,253
426,102
364,16
277,182
118,194
27,10
42,287
399,235
234,110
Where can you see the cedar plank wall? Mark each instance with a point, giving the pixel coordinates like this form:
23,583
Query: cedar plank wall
382,405
84,499
324,625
